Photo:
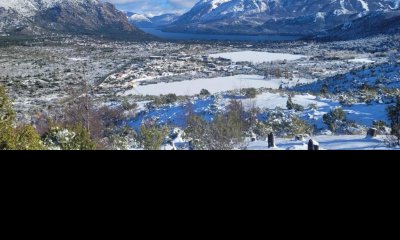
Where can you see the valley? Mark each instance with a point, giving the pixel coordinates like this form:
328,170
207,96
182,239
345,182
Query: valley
203,75
165,81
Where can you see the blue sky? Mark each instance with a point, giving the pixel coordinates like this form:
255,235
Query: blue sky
154,7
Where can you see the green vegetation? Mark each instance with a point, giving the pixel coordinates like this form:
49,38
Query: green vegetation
69,138
26,137
334,119
394,117
289,126
223,133
204,92
293,106
152,136
250,92
163,100
11,138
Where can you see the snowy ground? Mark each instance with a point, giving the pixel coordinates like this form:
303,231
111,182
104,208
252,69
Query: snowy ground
362,114
257,57
361,60
341,142
214,85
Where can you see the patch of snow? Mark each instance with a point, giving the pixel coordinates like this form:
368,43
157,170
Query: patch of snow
213,85
361,60
257,57
339,142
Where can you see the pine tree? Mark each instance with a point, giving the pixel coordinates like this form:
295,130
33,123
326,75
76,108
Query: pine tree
28,139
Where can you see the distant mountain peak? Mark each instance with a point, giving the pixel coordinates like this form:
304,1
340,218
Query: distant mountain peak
275,16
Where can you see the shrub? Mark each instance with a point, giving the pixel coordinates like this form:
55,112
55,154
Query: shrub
334,118
249,92
324,89
393,113
127,106
224,133
152,136
204,92
287,126
23,138
69,138
379,124
163,99
28,139
290,105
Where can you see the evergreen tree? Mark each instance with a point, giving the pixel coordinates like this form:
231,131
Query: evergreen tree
28,139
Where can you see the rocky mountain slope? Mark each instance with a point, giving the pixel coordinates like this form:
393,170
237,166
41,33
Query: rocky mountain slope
92,17
275,16
369,25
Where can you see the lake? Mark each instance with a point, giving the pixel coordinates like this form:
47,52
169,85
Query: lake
218,37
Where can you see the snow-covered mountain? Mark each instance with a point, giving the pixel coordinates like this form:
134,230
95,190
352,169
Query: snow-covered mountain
371,24
275,16
143,21
138,20
71,16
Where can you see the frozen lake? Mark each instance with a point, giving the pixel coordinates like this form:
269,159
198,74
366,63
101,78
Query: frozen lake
218,37
213,85
257,57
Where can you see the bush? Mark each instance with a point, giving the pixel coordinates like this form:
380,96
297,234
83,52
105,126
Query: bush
334,118
69,138
204,92
127,106
290,105
28,139
324,89
7,117
287,126
250,92
224,133
379,124
152,136
312,106
164,99
171,98
393,113
23,138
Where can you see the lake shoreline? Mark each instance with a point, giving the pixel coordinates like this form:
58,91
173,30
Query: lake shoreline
219,37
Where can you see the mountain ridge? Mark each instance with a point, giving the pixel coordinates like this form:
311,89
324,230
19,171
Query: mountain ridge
91,17
301,17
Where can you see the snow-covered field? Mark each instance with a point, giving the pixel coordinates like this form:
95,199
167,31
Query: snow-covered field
275,100
257,57
361,113
361,60
340,142
214,85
